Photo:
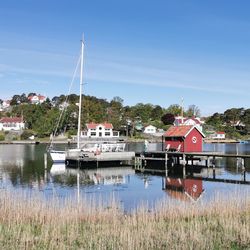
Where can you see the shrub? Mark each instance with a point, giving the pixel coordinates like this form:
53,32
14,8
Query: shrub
2,137
26,134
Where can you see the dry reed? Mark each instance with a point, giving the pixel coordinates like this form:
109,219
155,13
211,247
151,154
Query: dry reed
32,223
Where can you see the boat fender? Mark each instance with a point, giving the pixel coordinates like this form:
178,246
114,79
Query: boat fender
97,152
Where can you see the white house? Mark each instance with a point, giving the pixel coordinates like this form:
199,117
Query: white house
99,130
5,105
150,129
37,99
194,121
219,135
12,123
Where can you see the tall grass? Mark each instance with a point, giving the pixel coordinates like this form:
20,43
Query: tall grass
31,223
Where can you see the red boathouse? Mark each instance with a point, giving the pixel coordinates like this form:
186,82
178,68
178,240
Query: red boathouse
184,139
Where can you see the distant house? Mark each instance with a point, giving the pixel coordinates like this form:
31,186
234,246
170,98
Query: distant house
37,99
150,129
12,123
99,130
194,121
219,135
5,105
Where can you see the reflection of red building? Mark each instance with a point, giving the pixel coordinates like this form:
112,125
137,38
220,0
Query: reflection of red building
184,138
184,189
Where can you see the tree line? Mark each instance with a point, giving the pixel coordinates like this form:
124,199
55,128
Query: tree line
43,117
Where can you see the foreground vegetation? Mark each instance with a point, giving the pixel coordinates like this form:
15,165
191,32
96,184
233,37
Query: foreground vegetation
29,223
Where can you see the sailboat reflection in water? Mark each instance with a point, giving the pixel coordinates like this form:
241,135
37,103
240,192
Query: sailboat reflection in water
100,176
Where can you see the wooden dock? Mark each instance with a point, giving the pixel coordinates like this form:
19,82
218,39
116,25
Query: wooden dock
164,163
78,158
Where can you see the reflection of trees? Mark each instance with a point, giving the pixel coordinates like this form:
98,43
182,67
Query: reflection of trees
70,179
31,173
230,165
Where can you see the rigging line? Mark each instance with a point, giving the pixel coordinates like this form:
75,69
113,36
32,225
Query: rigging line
66,100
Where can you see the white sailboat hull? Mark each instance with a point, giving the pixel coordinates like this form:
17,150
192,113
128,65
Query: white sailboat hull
57,156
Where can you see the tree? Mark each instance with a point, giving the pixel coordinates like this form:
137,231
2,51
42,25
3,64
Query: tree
156,113
174,109
193,110
168,119
24,99
232,116
16,99
143,111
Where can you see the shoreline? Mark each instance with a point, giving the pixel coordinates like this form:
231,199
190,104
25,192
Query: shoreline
133,140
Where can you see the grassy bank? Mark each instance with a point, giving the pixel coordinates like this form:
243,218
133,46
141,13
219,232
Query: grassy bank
27,223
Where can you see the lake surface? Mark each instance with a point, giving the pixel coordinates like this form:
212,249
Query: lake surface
22,168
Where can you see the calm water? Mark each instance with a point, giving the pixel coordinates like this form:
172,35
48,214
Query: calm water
22,168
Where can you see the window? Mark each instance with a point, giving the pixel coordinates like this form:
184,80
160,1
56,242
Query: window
93,134
107,133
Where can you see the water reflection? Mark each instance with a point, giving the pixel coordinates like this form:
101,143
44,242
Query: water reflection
184,189
98,176
22,167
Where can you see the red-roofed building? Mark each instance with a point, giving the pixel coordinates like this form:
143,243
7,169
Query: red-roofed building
219,135
194,121
12,123
184,139
37,99
100,130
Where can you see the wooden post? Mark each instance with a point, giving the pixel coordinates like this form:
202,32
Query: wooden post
45,160
213,167
78,187
243,169
184,166
166,164
163,183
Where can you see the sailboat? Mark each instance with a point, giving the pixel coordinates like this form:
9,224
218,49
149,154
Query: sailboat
58,156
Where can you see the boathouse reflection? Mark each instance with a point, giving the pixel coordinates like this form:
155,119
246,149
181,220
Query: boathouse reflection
184,189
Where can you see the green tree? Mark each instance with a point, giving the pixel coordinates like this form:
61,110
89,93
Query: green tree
193,110
157,113
174,109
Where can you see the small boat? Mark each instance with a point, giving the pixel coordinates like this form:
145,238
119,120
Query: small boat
57,156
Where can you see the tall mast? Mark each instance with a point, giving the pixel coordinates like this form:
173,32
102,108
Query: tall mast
80,99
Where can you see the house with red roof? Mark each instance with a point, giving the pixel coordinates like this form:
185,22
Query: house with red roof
219,135
36,99
12,123
5,105
194,121
99,130
184,138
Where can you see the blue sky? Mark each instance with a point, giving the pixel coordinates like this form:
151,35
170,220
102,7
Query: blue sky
142,51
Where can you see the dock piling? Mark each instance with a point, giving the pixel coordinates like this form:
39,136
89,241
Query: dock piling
45,160
166,164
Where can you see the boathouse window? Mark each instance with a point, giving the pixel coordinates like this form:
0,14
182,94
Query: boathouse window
107,133
93,133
